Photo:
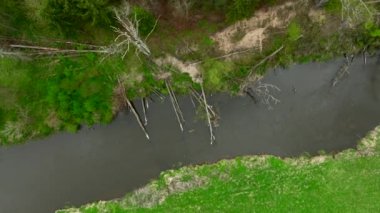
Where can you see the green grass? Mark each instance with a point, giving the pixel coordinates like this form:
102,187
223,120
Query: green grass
45,95
345,182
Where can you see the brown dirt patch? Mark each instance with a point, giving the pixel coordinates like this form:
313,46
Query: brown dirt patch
255,28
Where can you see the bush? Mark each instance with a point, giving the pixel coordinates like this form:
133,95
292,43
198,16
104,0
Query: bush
71,15
13,18
80,92
333,6
294,31
214,73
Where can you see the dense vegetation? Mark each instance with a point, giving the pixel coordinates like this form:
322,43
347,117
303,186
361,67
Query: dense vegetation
346,182
46,93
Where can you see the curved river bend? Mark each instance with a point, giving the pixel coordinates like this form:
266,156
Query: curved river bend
105,162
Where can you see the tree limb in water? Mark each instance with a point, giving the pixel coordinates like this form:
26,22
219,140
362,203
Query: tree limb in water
133,109
174,105
128,103
248,81
144,106
212,136
176,102
198,97
343,71
259,91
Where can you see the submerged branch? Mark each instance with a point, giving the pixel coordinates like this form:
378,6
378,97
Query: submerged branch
212,136
138,118
144,107
128,103
198,97
343,70
174,105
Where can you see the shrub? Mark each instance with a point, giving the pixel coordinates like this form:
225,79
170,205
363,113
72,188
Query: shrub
80,92
294,31
70,15
333,6
13,18
214,72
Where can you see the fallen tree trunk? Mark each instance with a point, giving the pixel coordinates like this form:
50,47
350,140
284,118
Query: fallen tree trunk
174,106
133,109
212,136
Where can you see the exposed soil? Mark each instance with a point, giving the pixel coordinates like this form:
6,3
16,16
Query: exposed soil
255,28
191,69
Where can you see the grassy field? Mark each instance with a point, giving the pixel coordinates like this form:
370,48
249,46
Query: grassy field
345,182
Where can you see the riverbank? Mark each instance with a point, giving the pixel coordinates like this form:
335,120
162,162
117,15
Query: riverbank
346,181
106,161
81,78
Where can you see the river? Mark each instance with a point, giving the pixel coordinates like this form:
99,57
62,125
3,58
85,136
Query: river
106,161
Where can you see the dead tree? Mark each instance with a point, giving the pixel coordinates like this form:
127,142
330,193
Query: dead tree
138,118
175,105
248,81
212,136
343,71
13,54
199,99
263,92
128,103
128,33
145,106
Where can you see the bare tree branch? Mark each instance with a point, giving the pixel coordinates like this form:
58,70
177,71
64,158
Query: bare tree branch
176,109
262,92
343,70
212,136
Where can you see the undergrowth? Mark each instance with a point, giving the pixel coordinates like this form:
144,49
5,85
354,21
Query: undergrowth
58,93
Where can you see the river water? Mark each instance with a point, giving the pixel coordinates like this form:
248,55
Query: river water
105,162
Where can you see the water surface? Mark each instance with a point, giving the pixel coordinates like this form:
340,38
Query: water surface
105,162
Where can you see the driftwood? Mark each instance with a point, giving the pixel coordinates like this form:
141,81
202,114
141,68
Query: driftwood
145,105
263,92
192,101
159,95
138,118
175,101
343,71
128,103
50,50
176,108
199,98
244,87
212,136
